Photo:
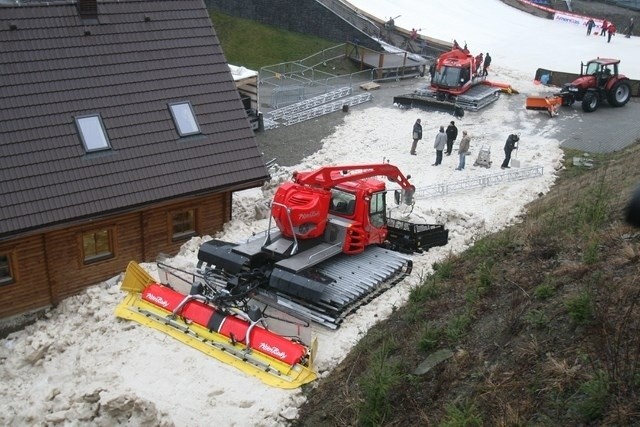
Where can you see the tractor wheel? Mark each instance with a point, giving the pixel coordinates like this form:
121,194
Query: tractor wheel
619,94
590,102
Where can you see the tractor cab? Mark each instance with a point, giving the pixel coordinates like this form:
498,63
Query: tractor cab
601,69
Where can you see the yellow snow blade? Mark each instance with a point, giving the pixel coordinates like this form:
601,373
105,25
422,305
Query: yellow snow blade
269,370
135,278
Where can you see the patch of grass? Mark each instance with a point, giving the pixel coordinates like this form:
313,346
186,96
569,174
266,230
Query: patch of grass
427,291
593,209
580,308
592,398
484,276
457,327
537,319
254,45
444,269
544,291
590,255
413,314
429,338
380,378
461,415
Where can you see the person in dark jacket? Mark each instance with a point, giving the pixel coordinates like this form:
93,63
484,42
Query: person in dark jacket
590,24
509,146
487,63
629,29
452,134
417,136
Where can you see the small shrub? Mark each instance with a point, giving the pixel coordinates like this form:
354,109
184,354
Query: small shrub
593,210
485,276
592,398
462,415
376,384
413,313
427,291
444,269
429,338
537,319
457,327
580,309
543,292
590,255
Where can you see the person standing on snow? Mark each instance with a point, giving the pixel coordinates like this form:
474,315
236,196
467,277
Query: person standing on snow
487,62
590,25
629,29
509,146
439,144
612,32
452,134
463,149
604,28
417,136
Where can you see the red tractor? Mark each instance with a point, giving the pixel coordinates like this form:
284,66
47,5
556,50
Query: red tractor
599,81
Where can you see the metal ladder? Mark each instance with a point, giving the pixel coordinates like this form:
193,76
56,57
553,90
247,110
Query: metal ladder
443,189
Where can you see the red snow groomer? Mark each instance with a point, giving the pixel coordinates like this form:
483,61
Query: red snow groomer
334,247
458,83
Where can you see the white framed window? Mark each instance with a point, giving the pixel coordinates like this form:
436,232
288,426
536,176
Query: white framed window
92,133
184,118
97,245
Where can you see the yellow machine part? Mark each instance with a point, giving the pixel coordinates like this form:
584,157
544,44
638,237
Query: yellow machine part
270,371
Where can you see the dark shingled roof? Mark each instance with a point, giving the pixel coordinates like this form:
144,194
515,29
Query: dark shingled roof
127,65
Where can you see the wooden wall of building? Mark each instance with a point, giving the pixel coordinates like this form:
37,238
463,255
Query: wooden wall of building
49,267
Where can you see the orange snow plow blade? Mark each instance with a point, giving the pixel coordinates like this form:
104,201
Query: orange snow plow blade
550,104
504,87
225,334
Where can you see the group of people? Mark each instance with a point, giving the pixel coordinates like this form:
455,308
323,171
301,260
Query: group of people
609,29
444,142
445,139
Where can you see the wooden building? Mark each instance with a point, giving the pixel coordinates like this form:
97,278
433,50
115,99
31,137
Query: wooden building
122,135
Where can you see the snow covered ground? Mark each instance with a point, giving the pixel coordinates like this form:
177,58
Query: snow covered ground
82,366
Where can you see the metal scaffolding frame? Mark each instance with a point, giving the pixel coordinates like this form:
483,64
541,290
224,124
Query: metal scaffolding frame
309,103
326,108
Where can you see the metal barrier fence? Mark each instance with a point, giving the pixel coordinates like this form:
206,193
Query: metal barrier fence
515,174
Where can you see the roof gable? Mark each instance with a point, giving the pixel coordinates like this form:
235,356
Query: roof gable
127,66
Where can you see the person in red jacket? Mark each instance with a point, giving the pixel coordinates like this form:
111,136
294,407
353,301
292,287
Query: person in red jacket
612,31
604,28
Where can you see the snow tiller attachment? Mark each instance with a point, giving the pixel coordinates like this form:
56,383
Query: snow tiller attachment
220,324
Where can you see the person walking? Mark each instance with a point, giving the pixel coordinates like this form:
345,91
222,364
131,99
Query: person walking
487,62
452,134
612,32
463,149
439,144
590,24
604,28
417,136
629,29
509,146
